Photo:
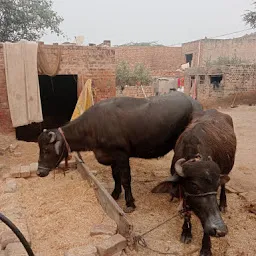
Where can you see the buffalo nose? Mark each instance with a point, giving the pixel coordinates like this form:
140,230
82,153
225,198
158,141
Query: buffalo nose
221,232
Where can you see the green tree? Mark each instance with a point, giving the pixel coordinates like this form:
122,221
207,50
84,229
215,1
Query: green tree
126,76
27,19
250,17
123,74
141,75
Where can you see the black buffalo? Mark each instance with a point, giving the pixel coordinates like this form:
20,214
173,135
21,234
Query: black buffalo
117,129
204,156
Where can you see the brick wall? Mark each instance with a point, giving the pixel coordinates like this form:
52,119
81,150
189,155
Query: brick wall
97,63
136,91
206,50
235,79
160,60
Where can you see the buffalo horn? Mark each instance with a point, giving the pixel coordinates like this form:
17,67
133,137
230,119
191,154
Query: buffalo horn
53,137
57,147
178,167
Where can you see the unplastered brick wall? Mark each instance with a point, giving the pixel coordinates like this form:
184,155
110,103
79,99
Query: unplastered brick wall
160,60
137,92
235,79
210,50
96,63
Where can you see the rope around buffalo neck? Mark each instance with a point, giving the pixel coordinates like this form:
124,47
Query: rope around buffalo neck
66,143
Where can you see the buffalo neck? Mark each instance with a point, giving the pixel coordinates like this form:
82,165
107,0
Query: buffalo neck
75,134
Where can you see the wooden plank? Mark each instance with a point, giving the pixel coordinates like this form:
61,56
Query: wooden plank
108,204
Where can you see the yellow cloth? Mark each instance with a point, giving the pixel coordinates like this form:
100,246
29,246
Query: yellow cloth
85,100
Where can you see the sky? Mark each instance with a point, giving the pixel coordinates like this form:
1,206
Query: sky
167,22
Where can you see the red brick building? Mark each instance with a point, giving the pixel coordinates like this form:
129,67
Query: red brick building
160,60
77,64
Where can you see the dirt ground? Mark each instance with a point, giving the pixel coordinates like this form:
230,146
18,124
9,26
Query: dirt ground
70,194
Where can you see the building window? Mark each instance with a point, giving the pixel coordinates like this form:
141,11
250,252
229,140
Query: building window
201,79
189,58
192,80
215,81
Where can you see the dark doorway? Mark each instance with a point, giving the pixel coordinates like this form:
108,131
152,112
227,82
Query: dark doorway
189,58
58,99
215,81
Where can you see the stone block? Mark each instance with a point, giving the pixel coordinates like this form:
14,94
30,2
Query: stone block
8,237
82,251
15,172
10,186
103,230
15,249
112,245
33,169
25,171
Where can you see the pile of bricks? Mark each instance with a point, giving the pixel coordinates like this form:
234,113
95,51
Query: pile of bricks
112,244
26,171
136,91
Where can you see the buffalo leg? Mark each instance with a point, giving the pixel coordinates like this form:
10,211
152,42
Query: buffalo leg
117,178
206,246
186,235
223,199
122,166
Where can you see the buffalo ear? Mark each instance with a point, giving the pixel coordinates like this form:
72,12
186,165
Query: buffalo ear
163,187
167,185
57,147
224,179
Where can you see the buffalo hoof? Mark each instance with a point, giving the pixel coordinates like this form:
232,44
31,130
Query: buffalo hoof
115,195
186,237
205,253
129,209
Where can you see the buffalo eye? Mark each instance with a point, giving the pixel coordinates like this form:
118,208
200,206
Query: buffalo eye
195,187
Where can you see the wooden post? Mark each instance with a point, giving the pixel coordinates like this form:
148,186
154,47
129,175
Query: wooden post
109,205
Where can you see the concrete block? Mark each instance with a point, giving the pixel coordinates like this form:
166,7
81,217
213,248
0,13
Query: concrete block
10,186
33,169
112,245
15,249
33,166
103,230
82,251
25,171
15,172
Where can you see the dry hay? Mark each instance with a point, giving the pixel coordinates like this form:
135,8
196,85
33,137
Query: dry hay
60,212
